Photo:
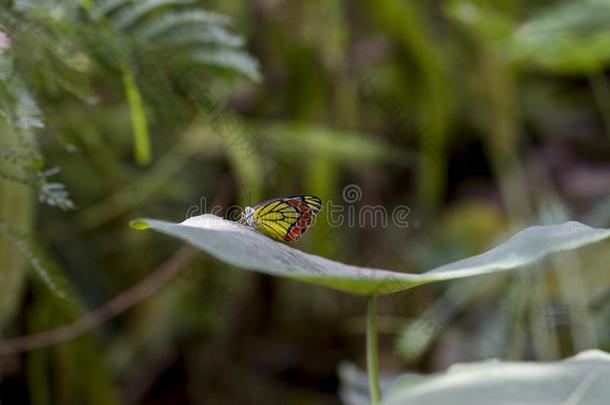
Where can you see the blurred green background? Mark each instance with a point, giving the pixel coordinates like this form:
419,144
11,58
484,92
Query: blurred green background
482,117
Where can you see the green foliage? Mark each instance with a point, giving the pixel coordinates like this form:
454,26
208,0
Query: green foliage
55,46
481,117
50,50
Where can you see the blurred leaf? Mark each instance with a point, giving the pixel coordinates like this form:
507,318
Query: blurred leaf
339,145
138,119
577,380
487,21
243,247
569,37
405,23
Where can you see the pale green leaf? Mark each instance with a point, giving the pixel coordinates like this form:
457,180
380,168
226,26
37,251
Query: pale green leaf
578,380
243,247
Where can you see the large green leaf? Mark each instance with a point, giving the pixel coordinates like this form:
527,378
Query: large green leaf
245,248
578,380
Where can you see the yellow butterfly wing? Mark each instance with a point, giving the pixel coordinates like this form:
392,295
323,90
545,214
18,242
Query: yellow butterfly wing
286,219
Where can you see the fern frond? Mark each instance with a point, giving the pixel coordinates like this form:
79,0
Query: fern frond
21,243
158,25
19,109
13,178
7,153
234,60
27,113
212,35
127,16
101,8
17,105
50,9
55,50
30,160
6,66
6,63
55,195
23,5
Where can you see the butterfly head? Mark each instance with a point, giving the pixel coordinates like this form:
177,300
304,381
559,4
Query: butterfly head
247,217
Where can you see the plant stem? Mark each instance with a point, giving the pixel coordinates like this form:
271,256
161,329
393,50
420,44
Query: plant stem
112,308
371,351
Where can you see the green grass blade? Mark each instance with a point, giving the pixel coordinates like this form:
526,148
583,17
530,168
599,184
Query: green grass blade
138,119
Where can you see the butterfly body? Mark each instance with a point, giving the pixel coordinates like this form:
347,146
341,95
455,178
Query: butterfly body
285,218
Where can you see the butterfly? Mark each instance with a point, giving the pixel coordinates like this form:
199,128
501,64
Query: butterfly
285,218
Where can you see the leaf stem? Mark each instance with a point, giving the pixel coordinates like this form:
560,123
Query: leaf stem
371,351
